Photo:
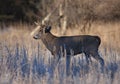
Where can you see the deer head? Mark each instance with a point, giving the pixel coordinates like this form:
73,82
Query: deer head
42,28
41,31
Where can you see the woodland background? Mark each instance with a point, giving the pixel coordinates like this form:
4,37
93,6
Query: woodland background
31,10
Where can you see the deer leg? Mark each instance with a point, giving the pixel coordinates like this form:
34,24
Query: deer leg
68,65
55,61
88,58
98,58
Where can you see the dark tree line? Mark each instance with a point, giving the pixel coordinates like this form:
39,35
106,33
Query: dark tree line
18,10
32,10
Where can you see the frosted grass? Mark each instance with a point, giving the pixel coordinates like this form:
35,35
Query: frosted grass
18,66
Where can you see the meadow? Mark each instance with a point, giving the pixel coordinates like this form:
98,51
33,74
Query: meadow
24,60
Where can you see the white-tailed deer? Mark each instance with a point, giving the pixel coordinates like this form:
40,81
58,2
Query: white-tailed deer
86,44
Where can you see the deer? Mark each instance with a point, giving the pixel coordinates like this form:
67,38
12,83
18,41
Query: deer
86,44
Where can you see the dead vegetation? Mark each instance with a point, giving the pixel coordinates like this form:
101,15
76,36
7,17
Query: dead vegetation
26,61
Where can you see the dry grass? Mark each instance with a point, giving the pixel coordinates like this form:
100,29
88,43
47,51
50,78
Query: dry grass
24,60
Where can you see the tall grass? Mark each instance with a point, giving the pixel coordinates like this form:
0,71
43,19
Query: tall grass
24,60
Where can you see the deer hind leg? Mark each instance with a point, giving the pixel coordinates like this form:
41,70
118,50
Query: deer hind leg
96,55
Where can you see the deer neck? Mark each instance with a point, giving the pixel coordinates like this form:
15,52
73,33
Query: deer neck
47,39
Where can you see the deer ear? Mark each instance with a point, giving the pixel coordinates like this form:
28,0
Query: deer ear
47,29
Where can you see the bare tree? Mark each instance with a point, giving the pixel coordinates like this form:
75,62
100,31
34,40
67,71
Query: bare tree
62,21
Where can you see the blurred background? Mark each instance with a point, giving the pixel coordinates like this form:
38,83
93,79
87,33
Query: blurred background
31,10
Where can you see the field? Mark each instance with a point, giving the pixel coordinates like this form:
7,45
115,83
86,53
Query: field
24,60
